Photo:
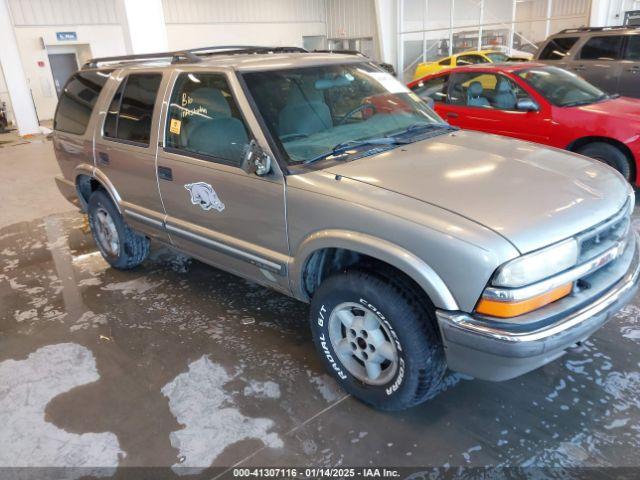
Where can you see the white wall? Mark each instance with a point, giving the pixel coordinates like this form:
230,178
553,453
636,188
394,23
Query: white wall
197,23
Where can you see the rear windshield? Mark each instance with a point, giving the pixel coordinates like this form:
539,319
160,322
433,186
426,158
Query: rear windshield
558,48
497,57
77,100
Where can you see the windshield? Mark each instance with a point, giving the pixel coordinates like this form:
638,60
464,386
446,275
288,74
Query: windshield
497,57
561,87
320,112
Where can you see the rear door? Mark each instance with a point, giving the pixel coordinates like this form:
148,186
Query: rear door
630,79
216,211
487,102
126,148
598,61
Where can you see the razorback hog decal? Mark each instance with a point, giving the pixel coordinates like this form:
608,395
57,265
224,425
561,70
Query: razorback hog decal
204,195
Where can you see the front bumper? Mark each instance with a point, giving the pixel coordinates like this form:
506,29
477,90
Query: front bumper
481,350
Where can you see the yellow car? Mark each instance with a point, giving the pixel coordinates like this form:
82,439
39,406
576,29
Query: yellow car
463,58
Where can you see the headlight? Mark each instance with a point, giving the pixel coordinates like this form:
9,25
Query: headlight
539,265
525,271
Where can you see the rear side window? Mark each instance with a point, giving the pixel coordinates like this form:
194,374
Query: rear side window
558,48
470,59
446,61
205,120
131,110
602,48
77,100
633,48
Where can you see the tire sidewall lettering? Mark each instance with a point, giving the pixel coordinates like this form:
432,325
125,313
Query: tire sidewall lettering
328,352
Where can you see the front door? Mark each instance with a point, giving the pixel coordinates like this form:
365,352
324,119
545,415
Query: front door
63,65
126,147
630,79
487,102
216,211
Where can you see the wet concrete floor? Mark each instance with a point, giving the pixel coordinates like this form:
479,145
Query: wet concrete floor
176,364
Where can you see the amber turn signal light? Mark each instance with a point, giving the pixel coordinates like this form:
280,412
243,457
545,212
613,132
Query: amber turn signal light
513,309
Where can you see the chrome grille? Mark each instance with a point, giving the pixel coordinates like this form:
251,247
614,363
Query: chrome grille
605,235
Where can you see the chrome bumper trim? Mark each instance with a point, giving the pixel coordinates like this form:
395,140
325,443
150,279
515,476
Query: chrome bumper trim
468,324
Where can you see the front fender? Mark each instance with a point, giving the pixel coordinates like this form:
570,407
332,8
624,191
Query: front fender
382,250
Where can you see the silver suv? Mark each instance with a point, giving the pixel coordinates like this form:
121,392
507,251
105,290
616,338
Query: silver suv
608,57
419,246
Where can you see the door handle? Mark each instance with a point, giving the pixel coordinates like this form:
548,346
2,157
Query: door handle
103,158
165,173
452,115
578,68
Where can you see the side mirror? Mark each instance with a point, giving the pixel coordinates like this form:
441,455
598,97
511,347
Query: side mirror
527,105
256,160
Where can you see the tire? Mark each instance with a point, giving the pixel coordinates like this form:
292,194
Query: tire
407,322
609,154
132,248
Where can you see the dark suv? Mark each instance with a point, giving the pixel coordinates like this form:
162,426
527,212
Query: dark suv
608,57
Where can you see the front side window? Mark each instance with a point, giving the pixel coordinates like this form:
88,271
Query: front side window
131,110
602,48
204,119
470,59
562,88
633,48
558,48
319,113
77,101
485,90
435,89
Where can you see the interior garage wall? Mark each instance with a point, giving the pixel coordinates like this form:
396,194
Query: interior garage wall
36,22
192,23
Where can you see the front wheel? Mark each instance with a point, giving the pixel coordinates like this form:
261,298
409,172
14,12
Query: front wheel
608,154
378,339
120,246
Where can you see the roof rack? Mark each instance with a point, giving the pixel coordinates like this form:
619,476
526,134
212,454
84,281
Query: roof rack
193,55
599,29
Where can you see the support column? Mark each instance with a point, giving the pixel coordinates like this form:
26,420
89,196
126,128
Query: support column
24,111
143,26
599,16
388,32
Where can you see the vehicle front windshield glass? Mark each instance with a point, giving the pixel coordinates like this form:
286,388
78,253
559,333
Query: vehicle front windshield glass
562,88
497,57
318,112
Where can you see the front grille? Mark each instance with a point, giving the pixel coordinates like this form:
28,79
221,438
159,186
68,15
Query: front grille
605,235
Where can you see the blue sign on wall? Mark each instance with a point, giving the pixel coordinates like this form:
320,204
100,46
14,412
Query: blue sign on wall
66,36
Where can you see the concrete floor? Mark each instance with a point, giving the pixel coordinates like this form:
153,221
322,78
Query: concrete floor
177,364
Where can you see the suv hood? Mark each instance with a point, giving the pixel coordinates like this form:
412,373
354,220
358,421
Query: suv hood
530,194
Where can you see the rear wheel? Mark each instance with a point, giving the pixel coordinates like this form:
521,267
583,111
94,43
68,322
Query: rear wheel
378,338
609,154
120,246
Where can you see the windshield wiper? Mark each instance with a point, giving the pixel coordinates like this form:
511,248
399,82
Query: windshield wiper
351,144
419,127
578,103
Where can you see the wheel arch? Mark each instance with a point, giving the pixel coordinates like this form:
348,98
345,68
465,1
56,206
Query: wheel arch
578,143
329,251
88,180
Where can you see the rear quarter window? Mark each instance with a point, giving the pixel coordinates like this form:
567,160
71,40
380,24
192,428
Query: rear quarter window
557,48
77,101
